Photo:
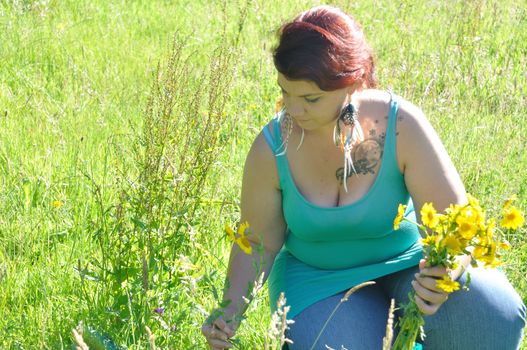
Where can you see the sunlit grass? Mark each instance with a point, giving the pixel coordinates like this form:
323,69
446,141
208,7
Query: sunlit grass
74,82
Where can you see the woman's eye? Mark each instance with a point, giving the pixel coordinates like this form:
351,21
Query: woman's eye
312,100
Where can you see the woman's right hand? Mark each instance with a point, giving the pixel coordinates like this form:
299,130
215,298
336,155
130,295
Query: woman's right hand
217,332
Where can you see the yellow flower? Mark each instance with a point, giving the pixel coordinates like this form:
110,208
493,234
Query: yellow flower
479,252
490,260
487,255
472,200
512,218
466,228
241,240
505,245
57,204
489,230
474,214
399,217
429,215
447,285
430,240
230,232
453,245
244,244
453,210
509,201
242,229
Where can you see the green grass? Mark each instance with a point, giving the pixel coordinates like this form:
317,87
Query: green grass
74,81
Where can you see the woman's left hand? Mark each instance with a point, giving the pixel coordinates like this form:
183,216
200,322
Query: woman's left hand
428,296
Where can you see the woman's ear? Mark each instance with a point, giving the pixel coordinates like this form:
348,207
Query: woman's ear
359,85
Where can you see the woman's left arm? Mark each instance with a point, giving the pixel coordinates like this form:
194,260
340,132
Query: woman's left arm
430,176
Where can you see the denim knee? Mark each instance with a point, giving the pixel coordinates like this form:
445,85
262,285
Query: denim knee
491,315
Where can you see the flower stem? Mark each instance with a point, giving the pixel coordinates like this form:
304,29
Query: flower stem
410,324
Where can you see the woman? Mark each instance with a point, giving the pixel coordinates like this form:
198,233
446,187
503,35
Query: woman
321,187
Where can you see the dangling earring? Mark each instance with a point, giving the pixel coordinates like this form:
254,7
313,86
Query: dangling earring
286,128
346,133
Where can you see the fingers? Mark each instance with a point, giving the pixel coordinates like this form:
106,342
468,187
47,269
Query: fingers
216,338
427,309
428,282
429,296
422,264
222,325
435,271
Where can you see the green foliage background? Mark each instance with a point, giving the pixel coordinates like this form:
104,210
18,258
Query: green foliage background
75,77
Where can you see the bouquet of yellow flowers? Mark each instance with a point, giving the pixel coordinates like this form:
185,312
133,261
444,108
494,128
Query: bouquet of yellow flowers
461,230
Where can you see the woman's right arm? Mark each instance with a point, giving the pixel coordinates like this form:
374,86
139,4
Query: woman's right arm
261,207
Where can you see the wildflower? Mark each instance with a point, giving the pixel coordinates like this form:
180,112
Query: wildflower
452,244
512,218
57,204
447,285
479,252
429,215
473,214
487,255
466,227
453,210
230,232
159,311
243,228
490,259
244,244
509,201
474,202
489,230
241,238
505,245
399,217
459,230
430,240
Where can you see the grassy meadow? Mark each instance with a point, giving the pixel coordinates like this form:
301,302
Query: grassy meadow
123,131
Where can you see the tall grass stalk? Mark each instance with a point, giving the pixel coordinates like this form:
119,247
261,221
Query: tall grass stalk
388,338
344,299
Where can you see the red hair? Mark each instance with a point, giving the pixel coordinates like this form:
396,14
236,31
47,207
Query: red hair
326,46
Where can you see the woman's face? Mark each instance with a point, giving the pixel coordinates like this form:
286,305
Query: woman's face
310,107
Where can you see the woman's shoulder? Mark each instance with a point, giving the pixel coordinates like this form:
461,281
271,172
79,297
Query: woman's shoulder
377,102
261,159
375,98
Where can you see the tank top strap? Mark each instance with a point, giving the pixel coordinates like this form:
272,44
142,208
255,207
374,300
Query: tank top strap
391,141
274,140
269,138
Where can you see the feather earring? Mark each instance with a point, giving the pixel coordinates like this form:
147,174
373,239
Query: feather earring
346,133
286,127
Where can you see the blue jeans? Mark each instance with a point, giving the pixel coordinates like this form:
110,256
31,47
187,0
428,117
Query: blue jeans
490,316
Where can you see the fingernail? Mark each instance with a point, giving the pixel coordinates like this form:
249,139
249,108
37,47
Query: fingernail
417,275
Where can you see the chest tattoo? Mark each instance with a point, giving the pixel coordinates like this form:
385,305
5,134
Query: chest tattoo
366,155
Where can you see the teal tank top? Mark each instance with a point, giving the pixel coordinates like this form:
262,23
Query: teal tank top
330,249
